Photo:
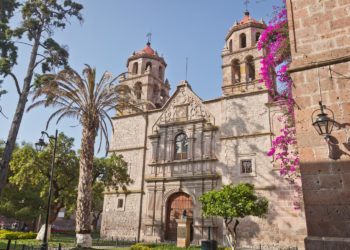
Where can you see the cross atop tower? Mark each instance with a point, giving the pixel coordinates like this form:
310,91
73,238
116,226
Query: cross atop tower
246,2
149,37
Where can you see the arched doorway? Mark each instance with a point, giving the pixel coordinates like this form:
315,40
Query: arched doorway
175,206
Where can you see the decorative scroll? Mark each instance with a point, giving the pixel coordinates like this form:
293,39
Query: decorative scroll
185,106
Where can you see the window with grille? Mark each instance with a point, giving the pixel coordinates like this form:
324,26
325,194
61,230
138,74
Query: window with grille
181,146
246,166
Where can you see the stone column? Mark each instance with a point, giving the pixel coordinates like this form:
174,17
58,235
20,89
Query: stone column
155,146
191,145
208,132
170,146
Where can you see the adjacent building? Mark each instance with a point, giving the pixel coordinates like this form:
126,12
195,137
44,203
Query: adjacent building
319,35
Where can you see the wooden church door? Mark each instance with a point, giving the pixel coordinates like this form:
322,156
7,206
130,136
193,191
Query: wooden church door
175,206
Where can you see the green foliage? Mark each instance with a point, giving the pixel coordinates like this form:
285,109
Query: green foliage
39,17
21,204
10,235
31,168
153,246
139,246
30,172
233,202
25,197
112,171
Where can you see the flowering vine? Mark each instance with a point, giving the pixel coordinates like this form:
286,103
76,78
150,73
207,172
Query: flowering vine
274,41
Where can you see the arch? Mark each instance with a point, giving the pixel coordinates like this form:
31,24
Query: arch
257,36
176,190
135,68
181,146
175,205
236,71
138,90
250,68
230,45
148,66
242,40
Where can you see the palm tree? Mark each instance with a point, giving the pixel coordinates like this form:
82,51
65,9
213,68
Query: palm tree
87,101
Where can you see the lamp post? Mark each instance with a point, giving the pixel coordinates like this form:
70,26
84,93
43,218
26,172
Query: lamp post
40,145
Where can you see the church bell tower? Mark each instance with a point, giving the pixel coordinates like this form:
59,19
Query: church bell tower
241,58
146,78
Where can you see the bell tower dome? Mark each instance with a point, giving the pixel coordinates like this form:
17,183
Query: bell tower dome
146,76
241,58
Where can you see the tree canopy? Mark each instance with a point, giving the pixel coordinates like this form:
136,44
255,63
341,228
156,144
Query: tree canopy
233,202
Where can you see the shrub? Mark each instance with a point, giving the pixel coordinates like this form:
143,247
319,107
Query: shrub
27,236
140,246
160,246
9,235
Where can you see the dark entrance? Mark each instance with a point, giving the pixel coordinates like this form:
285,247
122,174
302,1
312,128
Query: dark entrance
175,205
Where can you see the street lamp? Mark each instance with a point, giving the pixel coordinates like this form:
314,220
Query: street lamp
323,123
40,145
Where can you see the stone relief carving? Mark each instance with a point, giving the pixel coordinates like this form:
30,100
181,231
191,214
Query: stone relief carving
185,106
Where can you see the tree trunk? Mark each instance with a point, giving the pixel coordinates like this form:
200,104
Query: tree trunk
83,217
231,235
17,118
96,217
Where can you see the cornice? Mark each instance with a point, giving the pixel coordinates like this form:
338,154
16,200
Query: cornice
236,137
182,178
180,162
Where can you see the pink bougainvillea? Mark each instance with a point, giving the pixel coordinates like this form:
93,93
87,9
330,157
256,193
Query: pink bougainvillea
275,43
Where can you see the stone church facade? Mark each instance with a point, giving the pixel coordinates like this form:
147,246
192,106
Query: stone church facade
181,146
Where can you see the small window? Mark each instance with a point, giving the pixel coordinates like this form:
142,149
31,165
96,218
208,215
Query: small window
250,69
242,40
163,95
120,204
236,71
230,45
160,73
135,68
246,166
181,146
138,90
257,36
148,66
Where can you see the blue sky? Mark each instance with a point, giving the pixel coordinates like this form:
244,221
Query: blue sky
113,29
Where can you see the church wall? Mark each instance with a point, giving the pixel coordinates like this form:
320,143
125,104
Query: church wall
128,140
120,223
245,133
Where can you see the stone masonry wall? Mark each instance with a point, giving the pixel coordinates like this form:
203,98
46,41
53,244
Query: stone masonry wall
127,140
245,133
320,32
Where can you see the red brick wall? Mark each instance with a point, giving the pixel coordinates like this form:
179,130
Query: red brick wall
320,42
